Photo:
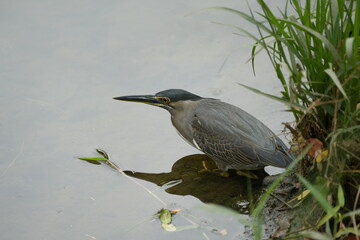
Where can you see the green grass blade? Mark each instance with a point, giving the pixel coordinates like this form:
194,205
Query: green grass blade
340,196
318,196
247,33
346,231
279,99
351,214
349,43
316,34
316,235
236,12
327,217
336,81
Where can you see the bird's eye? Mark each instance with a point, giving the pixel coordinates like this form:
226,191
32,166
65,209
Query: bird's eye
164,99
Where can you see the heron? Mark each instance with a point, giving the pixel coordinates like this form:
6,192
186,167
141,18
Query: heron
231,137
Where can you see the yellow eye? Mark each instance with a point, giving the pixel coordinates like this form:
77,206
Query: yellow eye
165,99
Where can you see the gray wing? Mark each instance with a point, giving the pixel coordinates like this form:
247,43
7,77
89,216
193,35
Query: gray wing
236,139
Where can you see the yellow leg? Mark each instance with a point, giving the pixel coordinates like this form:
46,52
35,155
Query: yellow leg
216,171
247,174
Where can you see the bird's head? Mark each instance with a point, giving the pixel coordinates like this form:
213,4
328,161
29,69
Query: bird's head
167,99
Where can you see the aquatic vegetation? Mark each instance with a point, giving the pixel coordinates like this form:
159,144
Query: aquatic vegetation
313,47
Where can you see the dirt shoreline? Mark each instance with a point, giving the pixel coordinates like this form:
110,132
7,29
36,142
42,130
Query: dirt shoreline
278,217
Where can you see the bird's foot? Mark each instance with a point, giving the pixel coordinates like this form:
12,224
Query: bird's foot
221,173
204,169
215,171
247,174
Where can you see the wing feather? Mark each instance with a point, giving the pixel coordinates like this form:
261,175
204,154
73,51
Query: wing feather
235,139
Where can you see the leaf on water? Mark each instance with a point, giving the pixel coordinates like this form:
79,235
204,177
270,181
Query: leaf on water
169,227
94,160
322,156
102,153
165,216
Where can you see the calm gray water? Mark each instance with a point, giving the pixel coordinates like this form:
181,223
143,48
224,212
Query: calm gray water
62,62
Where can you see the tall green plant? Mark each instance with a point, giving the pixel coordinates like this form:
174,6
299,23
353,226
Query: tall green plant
317,45
314,48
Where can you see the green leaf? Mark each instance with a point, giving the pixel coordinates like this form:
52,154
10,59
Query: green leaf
239,29
319,36
279,99
316,235
165,216
349,43
239,13
341,198
336,80
351,214
102,153
318,196
94,159
346,231
327,217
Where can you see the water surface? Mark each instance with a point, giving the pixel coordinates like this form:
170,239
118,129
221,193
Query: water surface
61,64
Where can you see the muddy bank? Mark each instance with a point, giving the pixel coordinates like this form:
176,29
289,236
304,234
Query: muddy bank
282,215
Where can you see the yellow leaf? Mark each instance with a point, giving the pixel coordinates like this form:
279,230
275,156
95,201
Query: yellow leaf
303,194
322,156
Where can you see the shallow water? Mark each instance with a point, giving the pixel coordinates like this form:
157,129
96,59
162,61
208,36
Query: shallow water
61,64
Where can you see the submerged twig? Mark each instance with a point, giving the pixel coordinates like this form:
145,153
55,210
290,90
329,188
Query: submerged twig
106,160
117,168
13,160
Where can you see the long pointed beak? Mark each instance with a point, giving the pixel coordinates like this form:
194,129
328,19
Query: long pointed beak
148,99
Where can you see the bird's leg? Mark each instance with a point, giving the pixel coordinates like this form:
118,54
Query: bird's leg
221,173
216,170
247,174
204,166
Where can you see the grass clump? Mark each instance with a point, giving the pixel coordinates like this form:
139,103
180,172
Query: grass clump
314,48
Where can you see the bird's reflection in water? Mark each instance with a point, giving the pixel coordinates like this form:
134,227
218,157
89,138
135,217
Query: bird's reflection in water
208,185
